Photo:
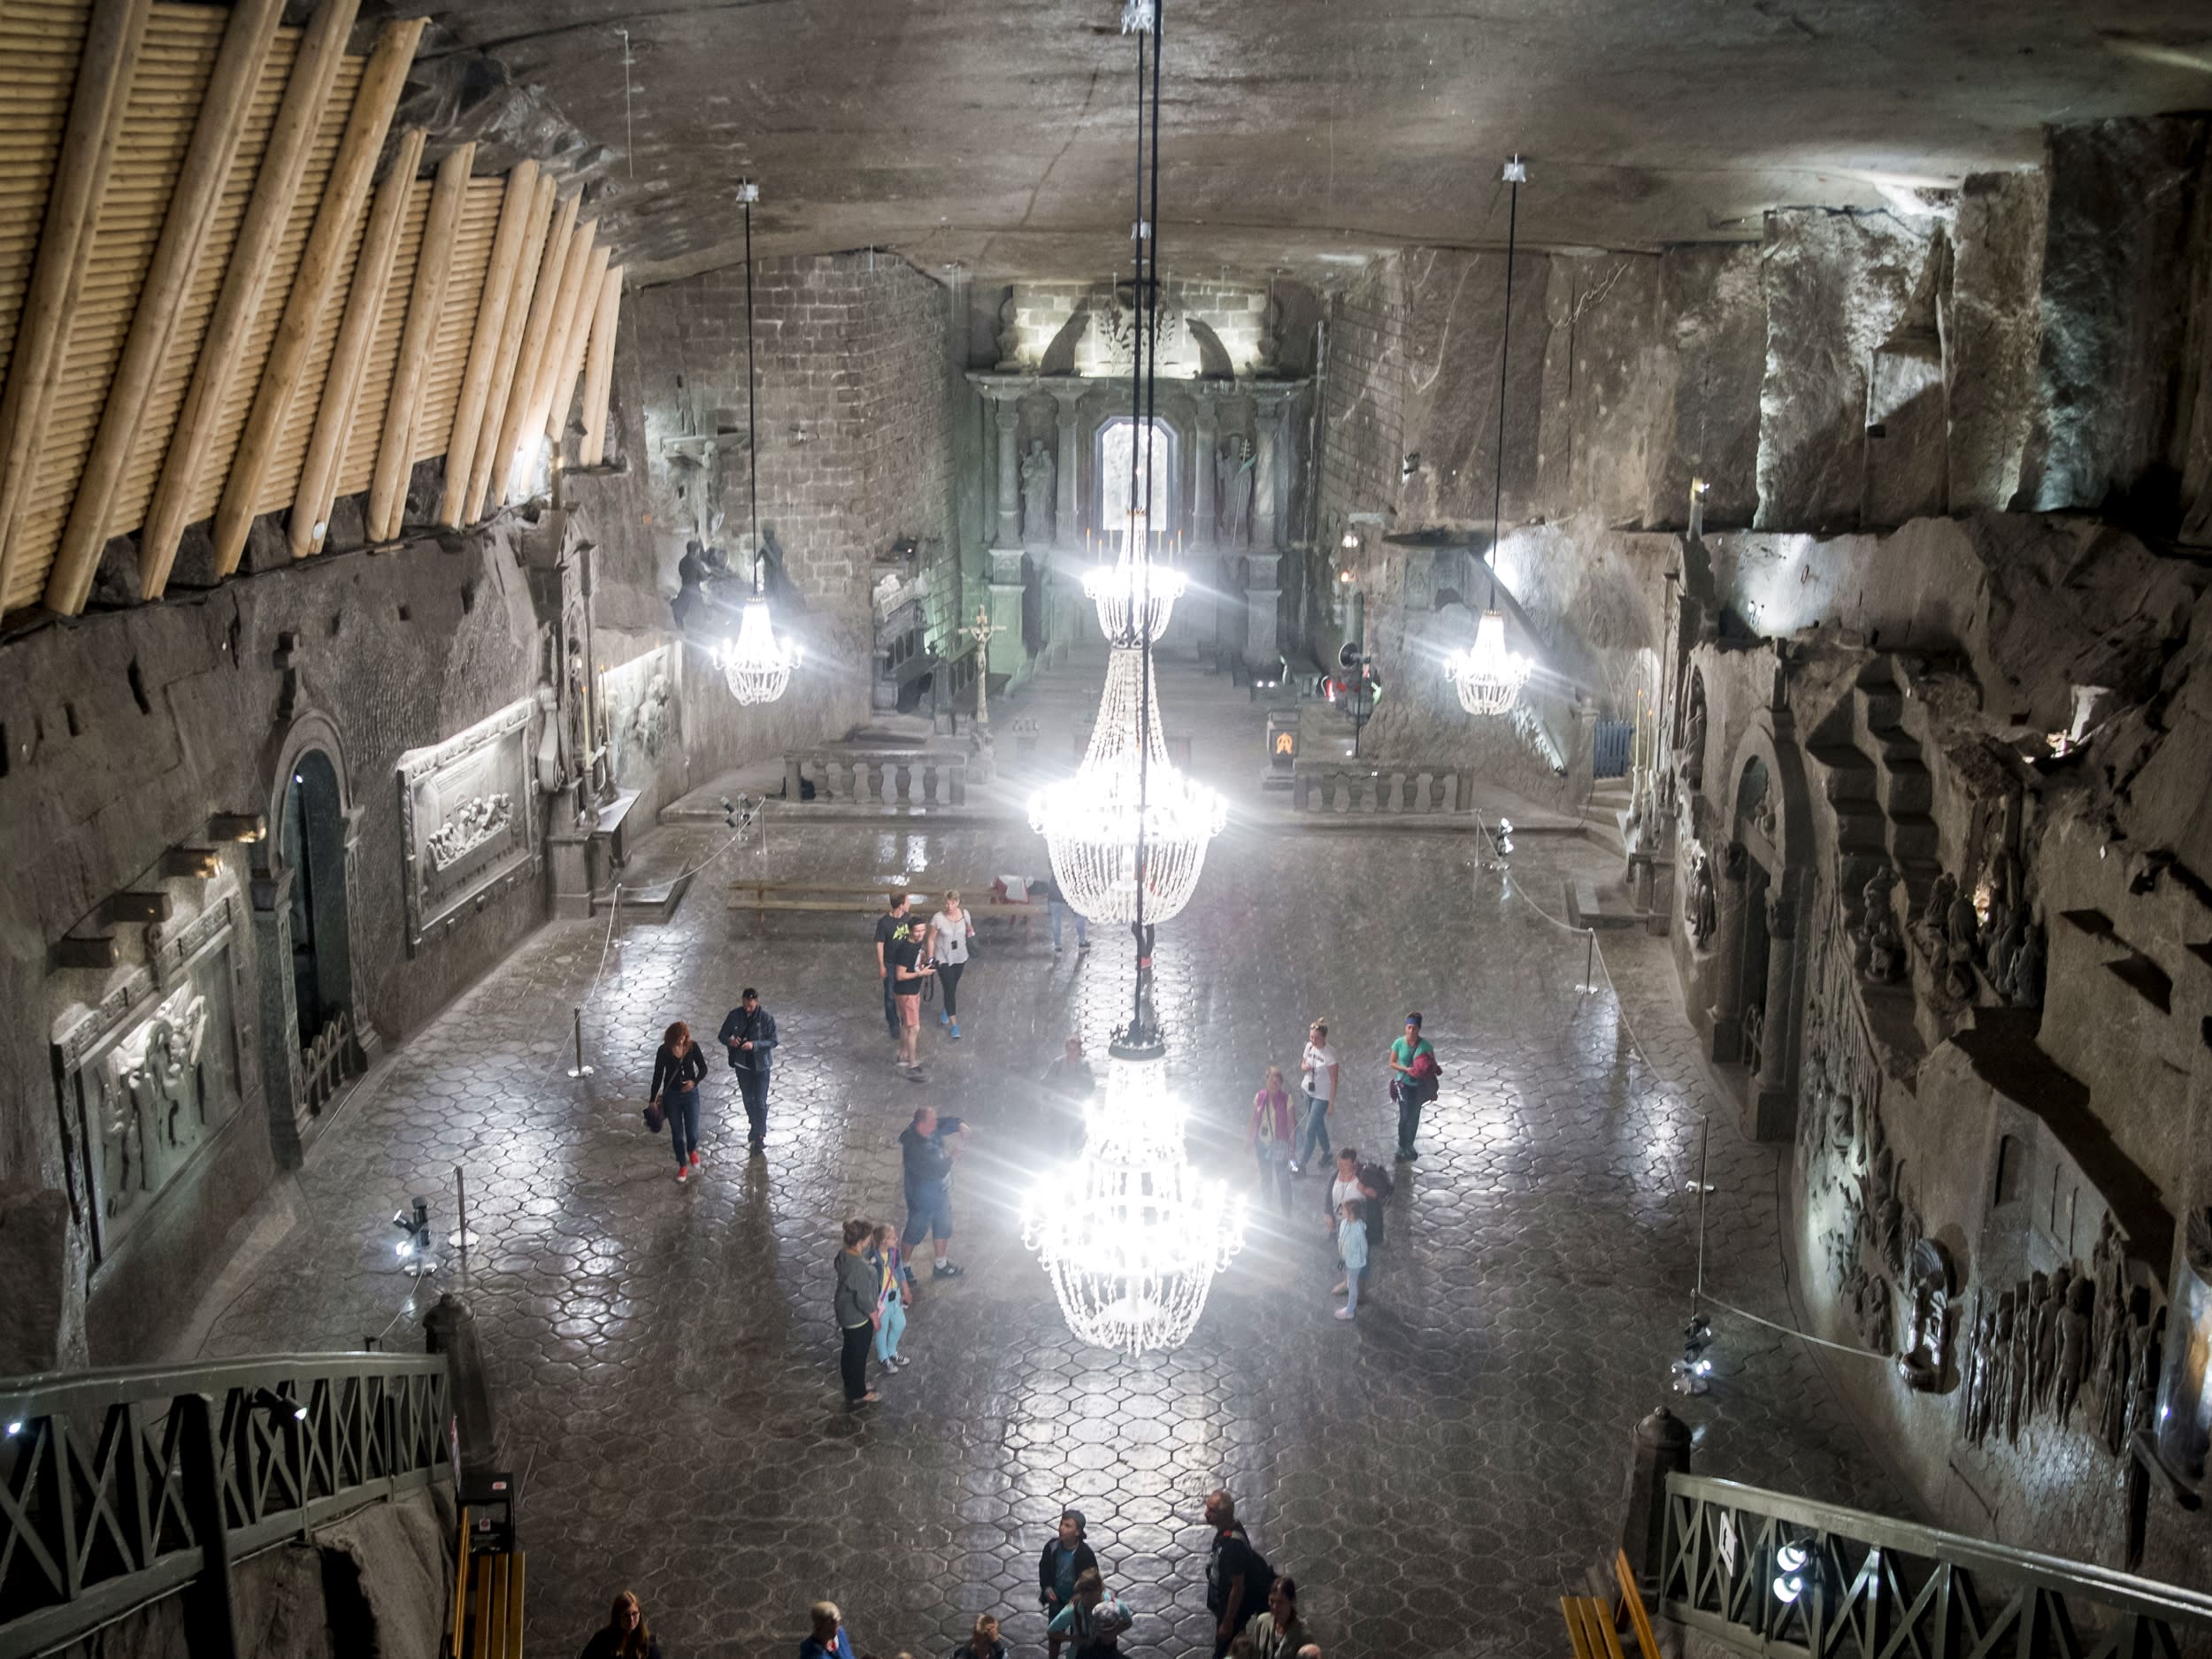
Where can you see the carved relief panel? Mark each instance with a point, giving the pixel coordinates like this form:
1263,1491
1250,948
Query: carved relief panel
150,1076
468,819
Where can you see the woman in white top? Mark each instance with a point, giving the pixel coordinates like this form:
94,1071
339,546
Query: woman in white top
1316,1071
949,931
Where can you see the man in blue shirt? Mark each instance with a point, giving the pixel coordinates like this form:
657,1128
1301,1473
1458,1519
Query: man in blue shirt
927,1148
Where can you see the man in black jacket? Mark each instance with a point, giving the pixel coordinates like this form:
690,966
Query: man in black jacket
749,1033
1066,1558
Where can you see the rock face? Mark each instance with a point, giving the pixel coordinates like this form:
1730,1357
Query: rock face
1992,330
2114,314
1713,316
1838,287
41,1323
1454,331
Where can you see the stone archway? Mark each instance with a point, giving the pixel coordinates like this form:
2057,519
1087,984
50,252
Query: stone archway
1766,882
314,1037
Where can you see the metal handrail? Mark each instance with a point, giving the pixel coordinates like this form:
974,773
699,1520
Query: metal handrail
1866,1584
118,1487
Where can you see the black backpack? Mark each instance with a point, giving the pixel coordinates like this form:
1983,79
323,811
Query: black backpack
1376,1176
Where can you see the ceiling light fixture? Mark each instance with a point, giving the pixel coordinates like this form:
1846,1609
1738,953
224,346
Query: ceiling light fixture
1129,1233
1487,675
756,666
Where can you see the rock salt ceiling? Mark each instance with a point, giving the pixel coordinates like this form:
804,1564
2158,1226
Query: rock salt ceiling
1299,134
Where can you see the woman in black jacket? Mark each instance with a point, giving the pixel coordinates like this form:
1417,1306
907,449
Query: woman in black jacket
678,1071
625,1635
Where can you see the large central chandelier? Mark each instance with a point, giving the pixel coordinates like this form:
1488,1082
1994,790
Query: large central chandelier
756,667
1488,677
1129,1233
1127,808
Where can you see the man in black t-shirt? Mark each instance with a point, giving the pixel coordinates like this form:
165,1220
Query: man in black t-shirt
892,927
927,1147
1237,1577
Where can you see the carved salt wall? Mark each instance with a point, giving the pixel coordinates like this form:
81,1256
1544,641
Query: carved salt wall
468,821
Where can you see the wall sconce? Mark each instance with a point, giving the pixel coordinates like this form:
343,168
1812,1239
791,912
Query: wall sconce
1409,465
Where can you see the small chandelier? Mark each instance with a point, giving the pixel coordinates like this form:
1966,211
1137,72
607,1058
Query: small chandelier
757,667
1489,676
1133,594
1127,805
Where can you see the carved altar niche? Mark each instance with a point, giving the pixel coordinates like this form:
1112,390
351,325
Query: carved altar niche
468,821
148,1078
644,714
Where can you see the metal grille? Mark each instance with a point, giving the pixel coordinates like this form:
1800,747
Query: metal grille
114,1483
1610,742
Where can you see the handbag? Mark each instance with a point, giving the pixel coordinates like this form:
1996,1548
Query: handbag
655,1117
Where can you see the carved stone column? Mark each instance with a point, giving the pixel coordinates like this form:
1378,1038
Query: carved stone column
1261,594
279,1014
1007,652
1270,449
364,1033
1064,521
1729,898
1773,1093
1206,425
1009,474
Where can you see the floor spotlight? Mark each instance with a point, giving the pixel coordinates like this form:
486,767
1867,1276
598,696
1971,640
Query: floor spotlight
414,1246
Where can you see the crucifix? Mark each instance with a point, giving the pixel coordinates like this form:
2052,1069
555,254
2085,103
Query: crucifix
981,632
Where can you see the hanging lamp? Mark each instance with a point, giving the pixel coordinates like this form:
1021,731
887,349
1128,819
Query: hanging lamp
756,666
1130,1235
1487,676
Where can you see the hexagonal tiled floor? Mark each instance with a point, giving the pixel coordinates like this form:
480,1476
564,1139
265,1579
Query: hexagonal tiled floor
1433,1473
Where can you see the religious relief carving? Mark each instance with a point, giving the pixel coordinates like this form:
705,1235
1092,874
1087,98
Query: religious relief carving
467,819
1700,907
2020,974
472,823
150,1098
1038,472
1115,329
1926,1345
1233,467
653,718
551,776
2080,1336
1880,955
1693,760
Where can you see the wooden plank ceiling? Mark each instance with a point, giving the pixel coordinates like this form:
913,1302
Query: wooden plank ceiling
123,87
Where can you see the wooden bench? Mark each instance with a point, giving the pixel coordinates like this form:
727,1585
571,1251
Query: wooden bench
486,1602
1593,1625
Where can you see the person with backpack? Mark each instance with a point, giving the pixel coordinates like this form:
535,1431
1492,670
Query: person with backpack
1237,1577
1092,1620
1413,1083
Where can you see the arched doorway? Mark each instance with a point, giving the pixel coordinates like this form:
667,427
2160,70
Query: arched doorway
313,847
1122,447
1758,983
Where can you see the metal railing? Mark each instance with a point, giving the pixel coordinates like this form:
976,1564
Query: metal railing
1767,1574
119,1487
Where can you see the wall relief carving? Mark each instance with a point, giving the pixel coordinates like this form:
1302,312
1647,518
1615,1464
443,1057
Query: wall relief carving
467,820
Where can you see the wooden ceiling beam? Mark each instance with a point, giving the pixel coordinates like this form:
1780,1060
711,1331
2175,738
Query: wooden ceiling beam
546,364
310,520
572,355
224,104
491,322
418,340
276,186
318,286
599,374
535,242
559,248
96,107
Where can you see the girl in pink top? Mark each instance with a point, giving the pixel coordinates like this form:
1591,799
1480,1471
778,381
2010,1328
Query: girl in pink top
1270,1136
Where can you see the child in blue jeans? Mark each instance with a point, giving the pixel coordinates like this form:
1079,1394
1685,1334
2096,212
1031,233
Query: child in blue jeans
1351,1248
895,1284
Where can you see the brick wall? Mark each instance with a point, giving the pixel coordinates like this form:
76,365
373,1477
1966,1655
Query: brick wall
853,415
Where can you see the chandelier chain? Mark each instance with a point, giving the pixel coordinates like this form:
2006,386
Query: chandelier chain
1505,350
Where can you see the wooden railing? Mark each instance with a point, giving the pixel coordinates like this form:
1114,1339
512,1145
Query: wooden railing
1371,788
897,778
119,1487
1768,1574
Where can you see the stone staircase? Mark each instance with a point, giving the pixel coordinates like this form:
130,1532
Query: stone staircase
1876,783
1605,814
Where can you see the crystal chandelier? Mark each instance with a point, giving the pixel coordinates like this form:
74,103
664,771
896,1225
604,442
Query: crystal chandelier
757,667
1127,806
1489,676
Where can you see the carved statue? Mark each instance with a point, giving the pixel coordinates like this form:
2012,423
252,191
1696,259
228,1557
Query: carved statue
2020,1374
551,779
1974,1374
1930,932
1885,951
1038,470
1693,738
1268,349
2050,1304
2006,948
2023,978
1009,336
1870,1305
2000,1365
691,578
1927,1320
1233,492
2074,1346
2142,1406
1700,908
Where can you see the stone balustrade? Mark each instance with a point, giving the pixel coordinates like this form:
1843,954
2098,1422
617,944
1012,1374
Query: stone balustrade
904,780
1396,788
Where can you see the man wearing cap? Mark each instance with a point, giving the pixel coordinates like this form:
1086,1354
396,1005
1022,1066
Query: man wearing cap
1411,1092
1065,1559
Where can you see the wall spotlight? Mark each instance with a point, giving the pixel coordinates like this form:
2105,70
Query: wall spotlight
15,1428
1351,540
1789,1579
276,1405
